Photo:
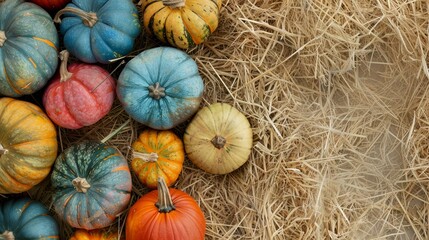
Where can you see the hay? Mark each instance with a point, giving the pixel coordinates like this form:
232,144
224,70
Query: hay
337,95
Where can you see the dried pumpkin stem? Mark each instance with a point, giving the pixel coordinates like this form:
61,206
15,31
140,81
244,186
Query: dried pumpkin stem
2,38
164,203
218,141
156,91
80,184
147,157
174,3
2,150
88,18
64,73
7,235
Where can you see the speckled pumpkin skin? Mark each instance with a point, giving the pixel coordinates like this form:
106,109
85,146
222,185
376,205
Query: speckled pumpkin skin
175,71
29,56
81,234
27,219
106,170
31,141
182,27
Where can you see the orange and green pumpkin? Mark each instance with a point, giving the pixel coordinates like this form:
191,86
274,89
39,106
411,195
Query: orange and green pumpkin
28,145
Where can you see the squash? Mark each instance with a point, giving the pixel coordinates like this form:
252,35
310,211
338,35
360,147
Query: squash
28,145
157,154
24,218
81,234
80,97
218,139
165,214
181,23
51,5
161,87
28,48
92,185
99,30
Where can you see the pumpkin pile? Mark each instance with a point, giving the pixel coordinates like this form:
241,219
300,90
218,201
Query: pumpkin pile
159,88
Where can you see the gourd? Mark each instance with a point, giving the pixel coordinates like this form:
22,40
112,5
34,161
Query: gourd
99,30
181,23
23,218
51,5
157,154
28,48
28,145
161,87
80,95
218,139
92,185
81,234
165,214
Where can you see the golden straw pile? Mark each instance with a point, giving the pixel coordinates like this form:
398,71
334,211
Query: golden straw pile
337,95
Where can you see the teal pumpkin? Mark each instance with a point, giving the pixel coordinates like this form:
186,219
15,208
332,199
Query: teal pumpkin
160,87
24,218
28,48
92,185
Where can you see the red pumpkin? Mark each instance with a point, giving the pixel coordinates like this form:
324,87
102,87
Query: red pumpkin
81,95
51,5
165,214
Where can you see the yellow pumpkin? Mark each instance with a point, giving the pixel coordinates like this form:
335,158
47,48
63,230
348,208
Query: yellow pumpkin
157,154
28,145
218,139
181,23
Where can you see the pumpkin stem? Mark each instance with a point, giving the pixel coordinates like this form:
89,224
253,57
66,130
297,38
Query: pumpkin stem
80,184
2,38
218,141
64,73
147,157
88,18
2,150
7,235
164,203
174,3
156,91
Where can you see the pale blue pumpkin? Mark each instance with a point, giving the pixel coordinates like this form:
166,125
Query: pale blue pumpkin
99,30
28,48
160,87
24,218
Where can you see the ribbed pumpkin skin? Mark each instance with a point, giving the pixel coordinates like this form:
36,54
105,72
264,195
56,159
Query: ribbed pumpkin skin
29,56
111,37
175,71
83,99
219,119
182,27
27,219
106,170
171,155
51,5
145,222
81,234
31,141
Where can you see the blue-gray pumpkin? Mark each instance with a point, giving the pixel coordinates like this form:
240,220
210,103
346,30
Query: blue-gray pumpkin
161,87
24,218
99,30
92,183
28,48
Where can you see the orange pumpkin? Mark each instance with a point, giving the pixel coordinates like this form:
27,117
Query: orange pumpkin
165,214
81,234
157,154
28,145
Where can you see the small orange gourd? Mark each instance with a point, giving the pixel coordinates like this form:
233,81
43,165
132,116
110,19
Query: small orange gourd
157,154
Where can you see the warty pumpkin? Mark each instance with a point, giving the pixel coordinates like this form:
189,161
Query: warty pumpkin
165,214
99,234
24,218
157,154
92,185
218,139
28,48
181,23
28,145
